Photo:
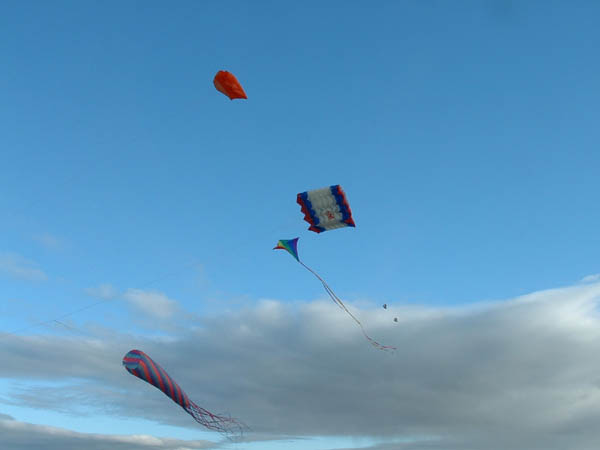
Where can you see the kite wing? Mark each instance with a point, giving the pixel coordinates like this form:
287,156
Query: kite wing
142,366
326,209
228,84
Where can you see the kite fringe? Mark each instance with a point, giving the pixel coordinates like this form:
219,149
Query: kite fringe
223,424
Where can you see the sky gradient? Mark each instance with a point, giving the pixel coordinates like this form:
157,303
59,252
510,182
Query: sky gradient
140,207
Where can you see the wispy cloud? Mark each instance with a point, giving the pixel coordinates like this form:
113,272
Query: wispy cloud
103,291
591,278
151,303
21,435
17,266
49,241
519,374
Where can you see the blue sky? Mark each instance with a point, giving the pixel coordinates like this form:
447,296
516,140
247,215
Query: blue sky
464,135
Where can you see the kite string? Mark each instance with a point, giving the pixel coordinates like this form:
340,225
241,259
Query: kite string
341,304
84,308
91,305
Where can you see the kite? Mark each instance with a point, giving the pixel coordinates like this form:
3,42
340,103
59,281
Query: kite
142,366
326,209
228,84
291,246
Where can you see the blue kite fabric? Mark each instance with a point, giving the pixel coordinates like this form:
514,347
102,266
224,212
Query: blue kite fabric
326,209
142,366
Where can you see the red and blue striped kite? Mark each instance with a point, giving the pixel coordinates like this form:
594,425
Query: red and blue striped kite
142,366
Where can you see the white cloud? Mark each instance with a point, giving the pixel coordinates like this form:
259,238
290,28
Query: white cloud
17,266
151,303
21,435
520,374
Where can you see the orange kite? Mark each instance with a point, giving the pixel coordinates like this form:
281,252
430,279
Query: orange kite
228,84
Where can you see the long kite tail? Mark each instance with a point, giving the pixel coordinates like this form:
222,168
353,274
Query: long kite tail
223,424
339,302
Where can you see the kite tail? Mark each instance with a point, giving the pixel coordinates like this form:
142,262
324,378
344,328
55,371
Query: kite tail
222,424
339,302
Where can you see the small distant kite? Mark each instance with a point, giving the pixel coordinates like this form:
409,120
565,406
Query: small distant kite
142,366
228,84
291,246
326,209
395,319
385,306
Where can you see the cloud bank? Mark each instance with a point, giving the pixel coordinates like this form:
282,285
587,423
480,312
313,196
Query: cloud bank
518,374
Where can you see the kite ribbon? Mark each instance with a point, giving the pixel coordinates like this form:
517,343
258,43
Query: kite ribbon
291,246
339,302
